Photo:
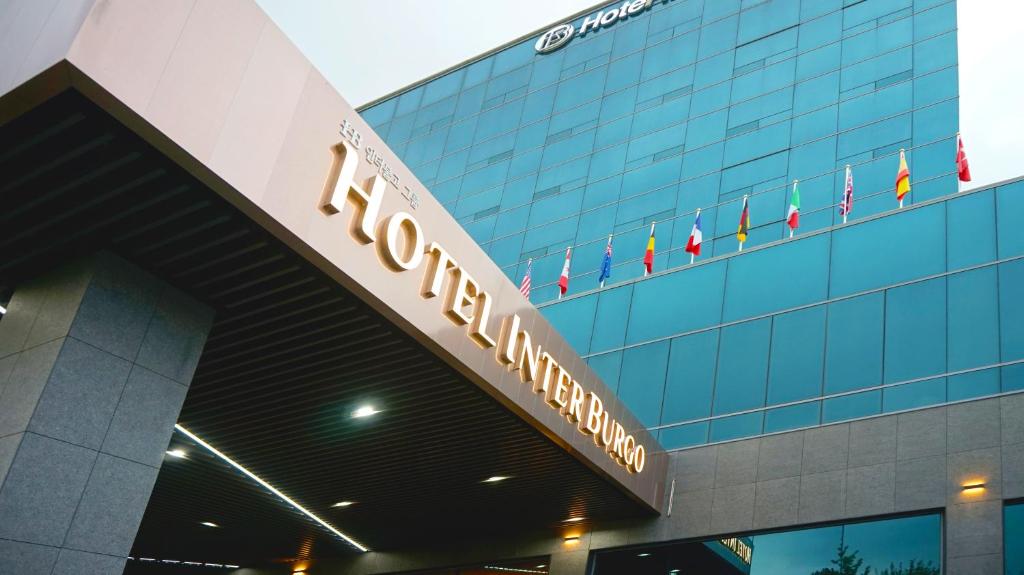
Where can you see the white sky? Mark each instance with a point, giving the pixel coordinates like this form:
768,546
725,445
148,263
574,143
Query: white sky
370,48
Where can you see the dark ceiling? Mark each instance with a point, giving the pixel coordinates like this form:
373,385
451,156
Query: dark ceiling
291,355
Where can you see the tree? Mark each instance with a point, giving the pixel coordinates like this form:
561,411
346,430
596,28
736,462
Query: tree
913,568
845,563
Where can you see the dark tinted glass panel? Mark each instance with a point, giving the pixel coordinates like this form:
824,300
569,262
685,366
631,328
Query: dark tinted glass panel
901,546
1013,535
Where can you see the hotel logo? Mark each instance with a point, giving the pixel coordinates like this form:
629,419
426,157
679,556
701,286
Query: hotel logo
554,38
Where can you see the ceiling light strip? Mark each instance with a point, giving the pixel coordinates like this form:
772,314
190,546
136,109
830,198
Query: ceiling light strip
271,488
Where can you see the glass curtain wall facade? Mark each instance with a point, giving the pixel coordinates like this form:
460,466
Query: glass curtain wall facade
901,546
694,105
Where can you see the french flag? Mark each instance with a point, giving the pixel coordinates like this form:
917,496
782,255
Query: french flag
696,237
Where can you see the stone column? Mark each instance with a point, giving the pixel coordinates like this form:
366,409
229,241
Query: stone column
95,360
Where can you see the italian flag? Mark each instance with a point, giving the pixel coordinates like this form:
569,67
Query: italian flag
793,216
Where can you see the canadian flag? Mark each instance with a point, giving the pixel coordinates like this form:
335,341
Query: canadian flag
563,280
963,170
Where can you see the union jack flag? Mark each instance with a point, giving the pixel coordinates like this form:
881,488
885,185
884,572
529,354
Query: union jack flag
846,206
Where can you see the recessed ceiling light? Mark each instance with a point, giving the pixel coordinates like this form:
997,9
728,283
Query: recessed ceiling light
674,571
365,411
643,554
3,310
209,524
179,453
574,520
541,566
495,478
343,504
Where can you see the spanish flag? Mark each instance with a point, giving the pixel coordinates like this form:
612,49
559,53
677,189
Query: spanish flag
649,254
744,227
902,178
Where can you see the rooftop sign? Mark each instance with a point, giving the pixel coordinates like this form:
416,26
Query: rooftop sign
560,35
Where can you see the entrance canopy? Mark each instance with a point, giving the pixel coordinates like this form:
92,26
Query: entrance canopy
364,350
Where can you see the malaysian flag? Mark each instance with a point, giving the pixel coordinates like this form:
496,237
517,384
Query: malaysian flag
846,206
524,287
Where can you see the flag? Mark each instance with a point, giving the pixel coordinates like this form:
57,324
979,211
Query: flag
524,287
902,178
606,263
649,254
744,226
696,237
793,217
963,170
846,206
563,280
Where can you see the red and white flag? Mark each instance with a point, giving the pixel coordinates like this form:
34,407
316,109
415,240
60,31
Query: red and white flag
524,287
846,206
563,280
962,169
696,237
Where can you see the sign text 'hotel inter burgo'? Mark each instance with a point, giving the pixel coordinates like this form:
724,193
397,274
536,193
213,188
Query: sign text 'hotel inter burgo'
560,35
403,248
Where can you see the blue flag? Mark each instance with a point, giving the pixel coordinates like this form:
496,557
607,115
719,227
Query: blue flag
606,263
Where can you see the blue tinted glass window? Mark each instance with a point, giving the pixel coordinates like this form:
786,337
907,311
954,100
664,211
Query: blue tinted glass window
757,283
854,351
742,366
972,384
889,250
659,308
642,380
1009,206
973,310
1011,311
736,426
607,367
911,395
851,406
610,322
798,351
684,435
1011,377
575,321
915,330
691,377
792,417
972,230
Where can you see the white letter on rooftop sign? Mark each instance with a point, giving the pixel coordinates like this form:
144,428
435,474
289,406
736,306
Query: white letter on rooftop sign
591,22
341,186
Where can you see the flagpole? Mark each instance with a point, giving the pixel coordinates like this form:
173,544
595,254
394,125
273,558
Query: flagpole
846,180
602,262
957,160
791,201
741,221
563,267
908,177
647,273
